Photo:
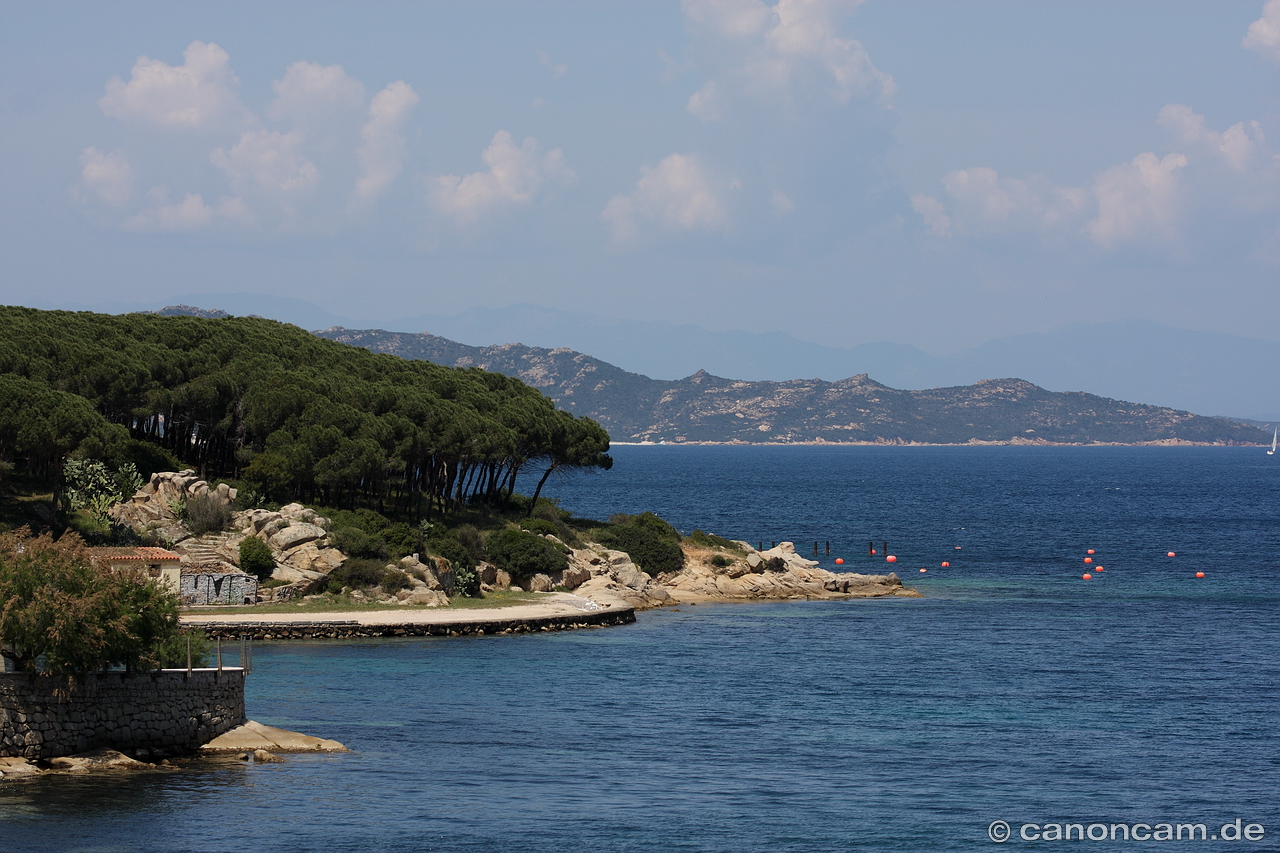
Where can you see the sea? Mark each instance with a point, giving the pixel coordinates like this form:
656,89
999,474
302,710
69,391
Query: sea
1013,702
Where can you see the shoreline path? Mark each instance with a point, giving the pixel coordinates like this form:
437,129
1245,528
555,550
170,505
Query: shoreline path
552,607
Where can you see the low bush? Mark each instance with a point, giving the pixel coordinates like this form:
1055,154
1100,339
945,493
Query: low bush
361,574
720,561
541,526
256,558
208,513
523,554
654,545
710,540
649,551
471,539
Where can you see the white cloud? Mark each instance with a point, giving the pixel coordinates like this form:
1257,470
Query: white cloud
190,214
934,214
677,195
1167,202
782,52
313,95
1136,200
781,203
1264,33
197,95
515,176
383,147
109,176
1237,145
267,163
557,69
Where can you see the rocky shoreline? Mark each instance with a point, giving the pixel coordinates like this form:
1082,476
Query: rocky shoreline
250,742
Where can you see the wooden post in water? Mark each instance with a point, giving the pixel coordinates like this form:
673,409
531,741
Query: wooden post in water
815,549
828,547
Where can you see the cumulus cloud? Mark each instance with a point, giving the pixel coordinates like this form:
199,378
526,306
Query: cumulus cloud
383,146
1264,34
108,176
515,176
1238,145
780,53
190,214
198,95
677,195
312,95
1136,200
1217,177
267,163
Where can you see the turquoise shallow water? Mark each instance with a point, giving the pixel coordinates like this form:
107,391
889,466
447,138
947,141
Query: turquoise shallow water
1015,690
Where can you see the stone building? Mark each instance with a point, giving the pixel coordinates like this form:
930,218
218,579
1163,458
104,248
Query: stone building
217,583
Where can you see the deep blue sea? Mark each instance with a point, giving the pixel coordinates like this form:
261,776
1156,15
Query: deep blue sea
1015,690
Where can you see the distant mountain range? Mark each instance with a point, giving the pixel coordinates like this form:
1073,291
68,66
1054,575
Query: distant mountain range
702,407
1202,372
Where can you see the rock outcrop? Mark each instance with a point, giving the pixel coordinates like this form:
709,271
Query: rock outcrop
298,536
154,507
777,573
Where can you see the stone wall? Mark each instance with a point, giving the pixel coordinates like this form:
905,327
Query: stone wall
157,713
225,588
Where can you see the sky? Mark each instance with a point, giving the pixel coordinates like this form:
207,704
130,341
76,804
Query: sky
929,173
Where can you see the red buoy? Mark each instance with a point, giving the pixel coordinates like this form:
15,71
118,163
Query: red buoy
1087,576
891,559
1199,574
1099,568
922,571
1090,551
839,561
1171,554
1088,559
945,564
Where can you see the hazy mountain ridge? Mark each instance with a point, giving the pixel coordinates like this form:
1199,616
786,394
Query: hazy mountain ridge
703,407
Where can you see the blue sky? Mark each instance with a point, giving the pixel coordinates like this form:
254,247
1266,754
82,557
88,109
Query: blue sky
932,173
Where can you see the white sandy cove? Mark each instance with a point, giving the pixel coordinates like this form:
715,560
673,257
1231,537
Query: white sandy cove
552,604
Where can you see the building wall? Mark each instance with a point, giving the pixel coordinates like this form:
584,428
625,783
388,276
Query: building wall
166,712
218,589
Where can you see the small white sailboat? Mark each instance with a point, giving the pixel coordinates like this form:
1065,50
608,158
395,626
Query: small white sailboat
1274,434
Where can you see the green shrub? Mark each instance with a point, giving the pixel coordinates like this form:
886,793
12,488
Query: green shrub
256,558
363,574
471,539
710,540
649,521
394,580
775,564
402,540
355,542
652,553
541,526
359,533
208,513
720,561
523,554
